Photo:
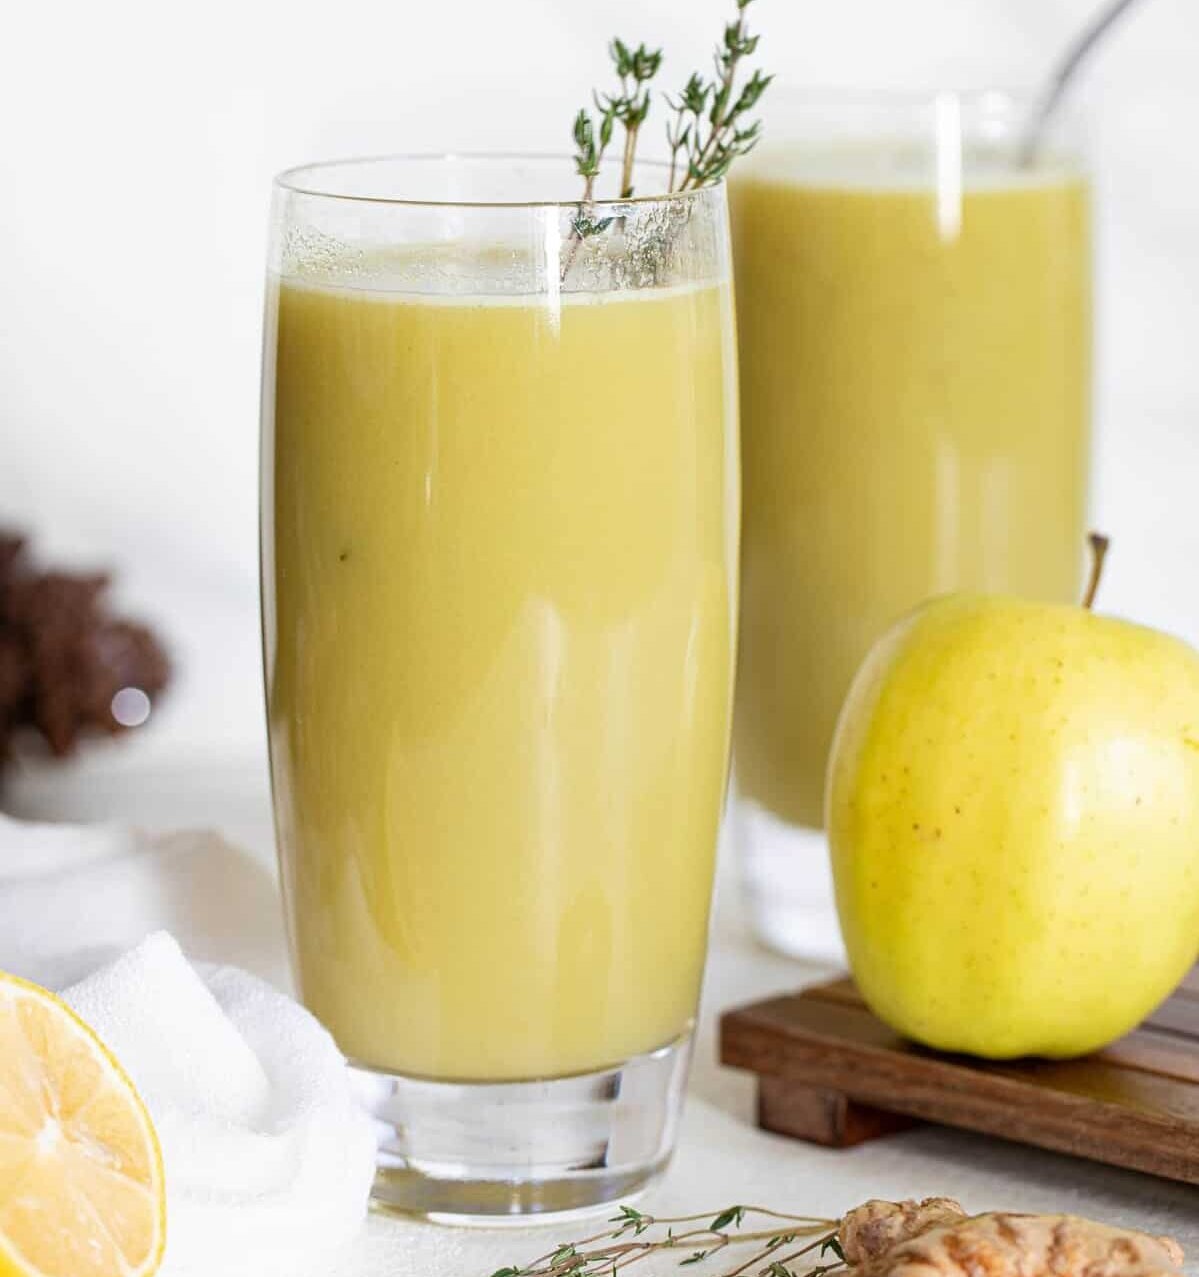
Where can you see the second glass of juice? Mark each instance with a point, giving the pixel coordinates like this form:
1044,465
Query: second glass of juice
914,314
499,557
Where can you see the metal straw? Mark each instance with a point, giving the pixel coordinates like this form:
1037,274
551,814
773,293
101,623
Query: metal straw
1075,56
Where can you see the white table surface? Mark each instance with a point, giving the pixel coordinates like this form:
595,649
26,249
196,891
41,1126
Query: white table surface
722,1158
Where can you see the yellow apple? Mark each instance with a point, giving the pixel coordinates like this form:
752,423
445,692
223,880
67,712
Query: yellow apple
1013,812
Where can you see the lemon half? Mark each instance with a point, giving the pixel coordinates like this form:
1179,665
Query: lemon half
81,1182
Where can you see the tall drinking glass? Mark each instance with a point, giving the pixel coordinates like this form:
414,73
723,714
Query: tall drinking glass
914,310
499,563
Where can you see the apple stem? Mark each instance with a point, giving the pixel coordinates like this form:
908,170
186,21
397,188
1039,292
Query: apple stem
1098,543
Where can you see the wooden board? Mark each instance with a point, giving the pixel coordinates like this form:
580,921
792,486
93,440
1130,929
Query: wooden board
831,1073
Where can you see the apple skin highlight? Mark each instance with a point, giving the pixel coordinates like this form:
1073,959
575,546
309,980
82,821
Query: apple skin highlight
1013,819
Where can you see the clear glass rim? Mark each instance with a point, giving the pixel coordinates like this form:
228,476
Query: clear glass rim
998,101
992,110
298,181
1010,96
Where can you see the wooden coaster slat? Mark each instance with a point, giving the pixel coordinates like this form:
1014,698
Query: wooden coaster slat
843,992
1165,1053
1179,1015
1152,1052
852,1040
830,1072
822,1117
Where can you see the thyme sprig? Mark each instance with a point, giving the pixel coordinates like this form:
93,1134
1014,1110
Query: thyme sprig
636,1236
709,128
629,106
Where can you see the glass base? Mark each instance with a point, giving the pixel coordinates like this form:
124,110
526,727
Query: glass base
475,1152
788,884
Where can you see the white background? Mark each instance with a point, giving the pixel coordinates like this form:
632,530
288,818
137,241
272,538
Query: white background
137,142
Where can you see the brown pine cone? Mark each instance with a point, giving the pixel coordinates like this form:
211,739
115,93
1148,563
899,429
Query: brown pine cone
63,657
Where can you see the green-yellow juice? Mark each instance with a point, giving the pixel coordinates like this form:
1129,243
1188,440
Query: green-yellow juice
915,409
500,662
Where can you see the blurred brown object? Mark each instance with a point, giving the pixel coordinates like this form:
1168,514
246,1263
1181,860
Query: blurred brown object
63,657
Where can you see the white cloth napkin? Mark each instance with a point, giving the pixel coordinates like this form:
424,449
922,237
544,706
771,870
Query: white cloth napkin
75,896
268,1160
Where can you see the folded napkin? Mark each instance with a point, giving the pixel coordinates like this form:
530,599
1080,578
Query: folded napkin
268,1159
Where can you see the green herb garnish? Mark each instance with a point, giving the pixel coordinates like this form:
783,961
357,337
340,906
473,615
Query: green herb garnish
710,124
635,1236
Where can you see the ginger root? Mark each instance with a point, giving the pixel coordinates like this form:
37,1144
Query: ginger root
872,1229
936,1238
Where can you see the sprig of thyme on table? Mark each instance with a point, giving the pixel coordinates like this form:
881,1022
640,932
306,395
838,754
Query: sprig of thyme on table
709,127
636,1236
876,1239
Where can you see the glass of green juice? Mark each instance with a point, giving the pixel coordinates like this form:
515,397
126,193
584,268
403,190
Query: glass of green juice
500,517
914,316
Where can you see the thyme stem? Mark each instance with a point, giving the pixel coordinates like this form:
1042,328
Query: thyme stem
709,128
609,1252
